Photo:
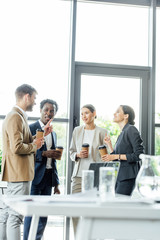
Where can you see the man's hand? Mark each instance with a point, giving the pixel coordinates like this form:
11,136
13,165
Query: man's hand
52,154
48,129
56,190
38,142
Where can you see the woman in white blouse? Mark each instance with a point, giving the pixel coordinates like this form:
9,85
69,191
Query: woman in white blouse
88,133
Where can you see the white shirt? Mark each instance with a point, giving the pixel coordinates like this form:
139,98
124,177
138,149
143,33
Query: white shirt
85,162
48,140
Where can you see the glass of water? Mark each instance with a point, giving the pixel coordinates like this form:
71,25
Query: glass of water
106,183
87,180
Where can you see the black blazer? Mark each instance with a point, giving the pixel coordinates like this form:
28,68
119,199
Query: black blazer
40,162
130,143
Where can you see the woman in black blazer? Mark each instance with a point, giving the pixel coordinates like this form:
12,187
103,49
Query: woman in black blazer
127,149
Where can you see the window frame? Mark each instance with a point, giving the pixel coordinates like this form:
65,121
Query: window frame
143,73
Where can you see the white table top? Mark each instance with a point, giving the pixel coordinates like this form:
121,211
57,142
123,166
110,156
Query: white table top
3,184
71,206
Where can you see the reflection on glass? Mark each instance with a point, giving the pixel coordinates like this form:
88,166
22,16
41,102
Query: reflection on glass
109,33
106,94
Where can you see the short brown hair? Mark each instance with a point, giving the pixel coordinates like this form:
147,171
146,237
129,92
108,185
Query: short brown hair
24,89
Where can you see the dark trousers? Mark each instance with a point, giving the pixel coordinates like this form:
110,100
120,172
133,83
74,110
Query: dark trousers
125,187
43,188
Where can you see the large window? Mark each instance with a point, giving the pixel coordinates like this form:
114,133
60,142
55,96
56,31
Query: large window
115,36
157,106
42,42
112,33
34,49
106,94
108,86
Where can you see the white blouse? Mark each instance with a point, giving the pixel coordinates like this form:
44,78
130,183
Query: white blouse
85,162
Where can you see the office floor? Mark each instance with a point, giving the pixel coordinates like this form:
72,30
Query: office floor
54,229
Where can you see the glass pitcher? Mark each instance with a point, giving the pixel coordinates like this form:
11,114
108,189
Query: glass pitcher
148,178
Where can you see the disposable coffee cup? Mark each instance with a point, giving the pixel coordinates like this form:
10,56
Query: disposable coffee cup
60,149
102,150
85,146
39,133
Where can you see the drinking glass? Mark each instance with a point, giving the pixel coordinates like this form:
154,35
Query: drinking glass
106,182
87,180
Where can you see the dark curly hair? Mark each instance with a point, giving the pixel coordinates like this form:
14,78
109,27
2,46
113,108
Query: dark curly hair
50,101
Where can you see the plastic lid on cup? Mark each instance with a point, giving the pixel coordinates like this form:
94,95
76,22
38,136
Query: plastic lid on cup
85,145
60,147
39,130
101,147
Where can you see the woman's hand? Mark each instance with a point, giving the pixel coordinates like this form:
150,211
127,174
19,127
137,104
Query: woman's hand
108,157
108,142
82,154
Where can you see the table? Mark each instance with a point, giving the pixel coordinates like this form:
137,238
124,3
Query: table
116,219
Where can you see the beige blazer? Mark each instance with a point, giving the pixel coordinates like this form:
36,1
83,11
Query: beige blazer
76,144
18,148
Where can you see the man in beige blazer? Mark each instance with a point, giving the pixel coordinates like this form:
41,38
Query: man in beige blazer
19,148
